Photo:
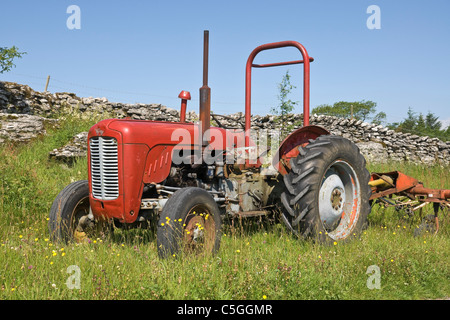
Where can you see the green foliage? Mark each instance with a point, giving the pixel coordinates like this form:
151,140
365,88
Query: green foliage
7,55
379,118
428,125
285,87
286,105
432,122
360,110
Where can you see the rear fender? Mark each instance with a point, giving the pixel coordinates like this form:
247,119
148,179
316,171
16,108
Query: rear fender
289,147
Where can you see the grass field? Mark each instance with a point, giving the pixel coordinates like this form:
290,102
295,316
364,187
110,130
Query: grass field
258,260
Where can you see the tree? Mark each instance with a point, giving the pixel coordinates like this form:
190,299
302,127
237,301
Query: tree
420,125
410,123
432,122
428,125
7,55
360,110
447,133
379,118
286,105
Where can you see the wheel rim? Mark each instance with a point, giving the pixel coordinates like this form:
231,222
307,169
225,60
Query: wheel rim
81,210
339,200
199,230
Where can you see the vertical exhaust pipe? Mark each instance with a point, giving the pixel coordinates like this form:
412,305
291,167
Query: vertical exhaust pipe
205,92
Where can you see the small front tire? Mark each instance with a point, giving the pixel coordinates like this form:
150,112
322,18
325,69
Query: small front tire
189,223
70,219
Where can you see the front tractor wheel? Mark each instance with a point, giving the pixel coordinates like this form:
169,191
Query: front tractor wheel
189,223
70,219
326,193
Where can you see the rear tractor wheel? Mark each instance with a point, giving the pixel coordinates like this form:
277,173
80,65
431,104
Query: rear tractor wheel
326,194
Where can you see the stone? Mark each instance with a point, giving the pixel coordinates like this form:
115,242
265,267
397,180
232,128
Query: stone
374,152
76,148
21,127
23,112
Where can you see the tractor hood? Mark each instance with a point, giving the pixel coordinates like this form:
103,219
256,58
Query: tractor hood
146,132
153,133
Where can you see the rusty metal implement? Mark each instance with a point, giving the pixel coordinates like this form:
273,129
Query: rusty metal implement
396,189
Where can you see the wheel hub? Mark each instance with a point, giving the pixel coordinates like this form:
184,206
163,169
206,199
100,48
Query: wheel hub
336,198
194,230
199,230
331,199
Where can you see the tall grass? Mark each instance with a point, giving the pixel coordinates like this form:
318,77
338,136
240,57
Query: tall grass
258,259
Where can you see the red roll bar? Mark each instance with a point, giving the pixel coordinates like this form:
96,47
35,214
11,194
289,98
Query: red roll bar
248,79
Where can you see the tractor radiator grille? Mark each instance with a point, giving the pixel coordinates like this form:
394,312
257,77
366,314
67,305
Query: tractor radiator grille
104,168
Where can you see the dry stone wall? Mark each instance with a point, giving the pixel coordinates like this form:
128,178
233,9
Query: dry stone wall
24,112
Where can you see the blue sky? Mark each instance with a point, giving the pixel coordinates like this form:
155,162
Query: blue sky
148,51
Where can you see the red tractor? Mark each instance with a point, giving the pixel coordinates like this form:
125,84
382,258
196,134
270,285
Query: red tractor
192,175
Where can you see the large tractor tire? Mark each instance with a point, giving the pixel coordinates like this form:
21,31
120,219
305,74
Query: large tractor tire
70,220
326,194
189,224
